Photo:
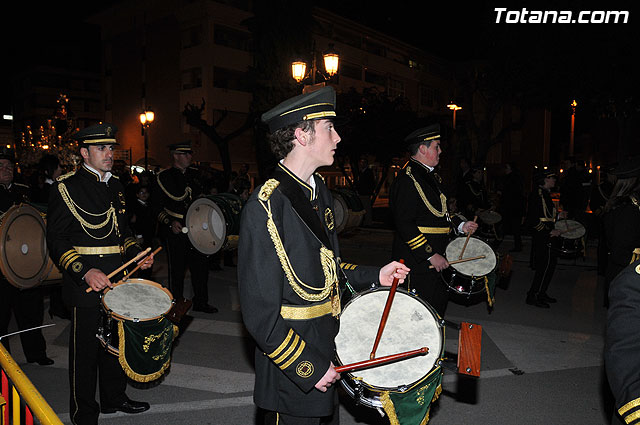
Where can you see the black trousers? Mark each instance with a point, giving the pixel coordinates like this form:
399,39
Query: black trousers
430,287
181,254
91,364
27,306
544,261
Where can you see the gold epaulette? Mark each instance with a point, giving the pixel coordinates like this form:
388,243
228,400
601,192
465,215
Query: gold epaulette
320,177
65,176
267,189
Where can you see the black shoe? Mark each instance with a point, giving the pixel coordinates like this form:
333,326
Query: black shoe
205,308
537,302
129,406
43,361
546,298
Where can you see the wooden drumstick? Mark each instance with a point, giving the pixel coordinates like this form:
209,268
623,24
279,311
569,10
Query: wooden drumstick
135,269
466,241
382,360
385,315
124,266
479,257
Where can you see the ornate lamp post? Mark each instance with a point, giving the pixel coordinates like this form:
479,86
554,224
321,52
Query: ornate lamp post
331,63
146,118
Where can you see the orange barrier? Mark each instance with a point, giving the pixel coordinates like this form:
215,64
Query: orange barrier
24,393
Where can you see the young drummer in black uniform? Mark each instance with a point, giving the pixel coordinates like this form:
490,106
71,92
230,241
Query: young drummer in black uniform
89,237
27,305
175,189
290,271
421,218
622,344
541,218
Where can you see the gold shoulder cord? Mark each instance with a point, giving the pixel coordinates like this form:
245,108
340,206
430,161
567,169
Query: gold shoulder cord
110,214
187,191
545,209
326,255
443,199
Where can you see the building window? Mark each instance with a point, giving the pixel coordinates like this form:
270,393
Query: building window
396,88
229,79
375,48
191,78
429,97
351,70
229,37
191,37
374,77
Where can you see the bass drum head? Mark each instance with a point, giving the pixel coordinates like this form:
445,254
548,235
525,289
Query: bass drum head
137,299
475,247
411,324
206,226
570,229
24,257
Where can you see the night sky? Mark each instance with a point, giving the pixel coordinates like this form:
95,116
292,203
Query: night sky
579,58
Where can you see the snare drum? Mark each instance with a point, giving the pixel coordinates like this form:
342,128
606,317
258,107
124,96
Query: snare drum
411,324
570,243
468,278
487,226
134,328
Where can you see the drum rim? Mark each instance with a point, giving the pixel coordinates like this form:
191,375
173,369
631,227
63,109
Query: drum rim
8,217
130,281
438,321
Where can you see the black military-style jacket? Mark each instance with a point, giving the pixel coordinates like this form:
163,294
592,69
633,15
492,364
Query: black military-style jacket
622,343
16,193
288,263
622,235
87,227
172,194
541,212
422,223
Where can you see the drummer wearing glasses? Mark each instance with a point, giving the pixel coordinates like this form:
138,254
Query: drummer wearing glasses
422,221
290,274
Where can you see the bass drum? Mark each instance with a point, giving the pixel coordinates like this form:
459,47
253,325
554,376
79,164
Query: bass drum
348,209
213,222
411,324
24,257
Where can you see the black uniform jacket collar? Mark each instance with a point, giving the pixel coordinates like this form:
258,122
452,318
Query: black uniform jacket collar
300,195
421,171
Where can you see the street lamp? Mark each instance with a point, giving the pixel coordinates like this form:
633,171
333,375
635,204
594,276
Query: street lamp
454,108
573,121
331,61
146,118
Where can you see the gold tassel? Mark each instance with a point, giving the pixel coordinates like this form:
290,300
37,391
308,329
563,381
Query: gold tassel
486,288
389,408
635,256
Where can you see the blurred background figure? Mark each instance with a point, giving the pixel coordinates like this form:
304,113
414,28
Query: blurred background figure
365,187
512,204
